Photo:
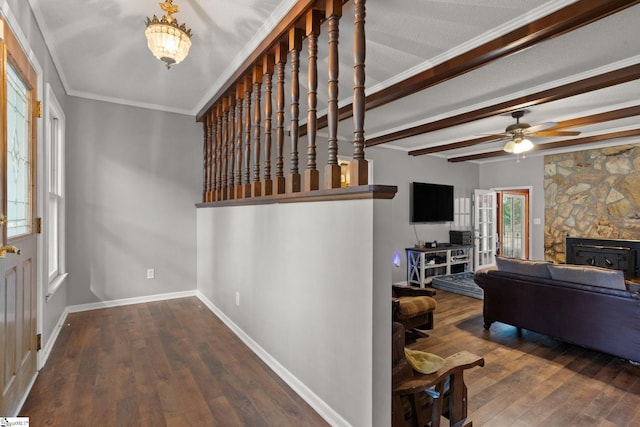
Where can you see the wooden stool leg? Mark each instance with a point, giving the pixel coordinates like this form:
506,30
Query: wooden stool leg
397,411
457,401
438,402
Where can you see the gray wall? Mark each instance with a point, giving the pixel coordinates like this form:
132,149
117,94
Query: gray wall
393,167
133,176
314,295
527,172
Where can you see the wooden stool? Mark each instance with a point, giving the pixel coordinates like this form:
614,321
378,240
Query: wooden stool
420,400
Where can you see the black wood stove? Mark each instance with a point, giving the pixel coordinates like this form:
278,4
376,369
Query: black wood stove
614,254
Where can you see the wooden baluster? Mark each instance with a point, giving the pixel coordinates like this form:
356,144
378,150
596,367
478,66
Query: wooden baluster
225,149
358,166
311,174
247,137
239,104
218,190
332,170
214,131
206,159
295,45
267,70
232,142
256,185
281,60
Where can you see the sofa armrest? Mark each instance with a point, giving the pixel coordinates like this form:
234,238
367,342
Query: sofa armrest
411,291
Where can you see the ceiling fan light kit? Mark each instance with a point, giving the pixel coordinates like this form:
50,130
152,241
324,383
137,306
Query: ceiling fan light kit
517,132
518,145
168,40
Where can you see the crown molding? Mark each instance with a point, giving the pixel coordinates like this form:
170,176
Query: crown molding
121,101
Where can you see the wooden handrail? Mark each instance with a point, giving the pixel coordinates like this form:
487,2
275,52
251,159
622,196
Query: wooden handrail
377,192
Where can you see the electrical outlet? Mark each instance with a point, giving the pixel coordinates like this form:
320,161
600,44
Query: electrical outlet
238,299
151,273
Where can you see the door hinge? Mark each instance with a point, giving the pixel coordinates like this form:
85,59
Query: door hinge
38,108
38,342
39,225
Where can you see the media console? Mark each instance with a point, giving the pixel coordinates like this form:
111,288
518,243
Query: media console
423,264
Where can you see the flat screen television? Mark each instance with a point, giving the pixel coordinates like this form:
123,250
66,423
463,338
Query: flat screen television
430,203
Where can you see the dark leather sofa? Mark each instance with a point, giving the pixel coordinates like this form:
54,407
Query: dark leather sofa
595,317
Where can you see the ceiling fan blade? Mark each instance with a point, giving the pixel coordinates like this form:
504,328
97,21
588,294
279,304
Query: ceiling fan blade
539,127
556,133
495,135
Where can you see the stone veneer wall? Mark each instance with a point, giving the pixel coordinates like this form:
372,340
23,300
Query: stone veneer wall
591,194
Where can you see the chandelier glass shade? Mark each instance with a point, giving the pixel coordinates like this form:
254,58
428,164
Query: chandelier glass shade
518,145
167,40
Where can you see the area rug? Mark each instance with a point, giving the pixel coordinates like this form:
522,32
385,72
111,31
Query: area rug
459,283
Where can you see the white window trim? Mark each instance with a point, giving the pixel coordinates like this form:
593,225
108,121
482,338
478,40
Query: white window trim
53,110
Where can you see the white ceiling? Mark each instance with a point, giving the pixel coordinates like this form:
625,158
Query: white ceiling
403,38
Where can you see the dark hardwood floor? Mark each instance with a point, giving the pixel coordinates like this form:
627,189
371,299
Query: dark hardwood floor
531,379
166,363
174,363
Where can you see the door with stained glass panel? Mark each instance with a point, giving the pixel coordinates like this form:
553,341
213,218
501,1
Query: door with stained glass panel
18,283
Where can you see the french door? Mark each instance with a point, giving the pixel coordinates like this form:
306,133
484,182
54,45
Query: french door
513,223
485,228
18,284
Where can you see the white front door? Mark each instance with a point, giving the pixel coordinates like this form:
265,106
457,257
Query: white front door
18,284
485,228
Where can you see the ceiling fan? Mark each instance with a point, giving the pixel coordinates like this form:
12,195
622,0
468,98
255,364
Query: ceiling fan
517,133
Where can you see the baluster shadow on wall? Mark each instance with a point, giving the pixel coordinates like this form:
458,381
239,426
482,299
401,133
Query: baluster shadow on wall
236,170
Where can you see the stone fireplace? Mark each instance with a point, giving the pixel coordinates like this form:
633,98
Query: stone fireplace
591,194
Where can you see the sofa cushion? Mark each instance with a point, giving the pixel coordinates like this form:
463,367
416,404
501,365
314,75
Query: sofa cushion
588,275
410,307
523,266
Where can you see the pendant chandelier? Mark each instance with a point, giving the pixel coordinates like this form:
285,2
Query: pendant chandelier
168,41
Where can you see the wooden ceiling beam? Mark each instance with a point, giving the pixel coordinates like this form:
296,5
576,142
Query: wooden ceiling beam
607,116
552,145
589,84
455,145
565,20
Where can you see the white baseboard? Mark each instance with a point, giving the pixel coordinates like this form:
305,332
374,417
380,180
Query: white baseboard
25,395
319,405
128,301
48,346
